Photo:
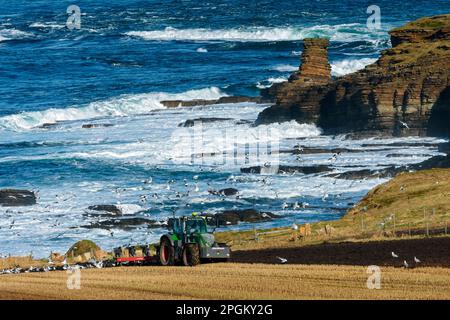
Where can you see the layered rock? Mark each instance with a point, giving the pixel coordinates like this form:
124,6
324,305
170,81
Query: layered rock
315,68
406,92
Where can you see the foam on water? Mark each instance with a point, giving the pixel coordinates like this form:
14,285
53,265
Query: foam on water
285,68
140,147
339,32
12,34
270,82
116,107
343,67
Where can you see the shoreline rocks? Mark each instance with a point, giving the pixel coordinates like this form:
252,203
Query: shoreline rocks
233,217
222,100
406,92
17,198
286,169
107,208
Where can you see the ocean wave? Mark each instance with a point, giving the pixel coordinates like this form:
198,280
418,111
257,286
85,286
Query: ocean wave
285,68
215,140
44,25
340,32
124,105
13,34
347,66
338,69
270,82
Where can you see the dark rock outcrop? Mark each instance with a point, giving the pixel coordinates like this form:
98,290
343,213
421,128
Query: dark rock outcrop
227,192
406,92
192,122
96,125
287,169
232,217
17,198
222,100
128,223
108,208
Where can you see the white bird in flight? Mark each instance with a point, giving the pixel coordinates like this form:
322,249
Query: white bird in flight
404,124
394,255
416,260
282,260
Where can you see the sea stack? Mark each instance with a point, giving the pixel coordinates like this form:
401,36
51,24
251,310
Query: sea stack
315,68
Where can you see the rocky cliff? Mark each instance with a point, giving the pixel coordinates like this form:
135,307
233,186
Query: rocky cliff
406,92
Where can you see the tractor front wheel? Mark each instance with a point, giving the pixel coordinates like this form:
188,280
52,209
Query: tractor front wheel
166,253
191,255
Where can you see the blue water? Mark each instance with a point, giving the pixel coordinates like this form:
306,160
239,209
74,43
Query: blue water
125,59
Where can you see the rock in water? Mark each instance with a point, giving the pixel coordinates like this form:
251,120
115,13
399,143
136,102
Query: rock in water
225,192
406,92
232,217
16,198
109,208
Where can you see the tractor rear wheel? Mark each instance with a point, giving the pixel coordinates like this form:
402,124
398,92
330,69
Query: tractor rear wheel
191,255
166,253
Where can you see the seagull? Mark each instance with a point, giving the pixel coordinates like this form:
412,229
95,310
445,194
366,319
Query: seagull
284,206
405,264
195,177
333,158
404,124
394,255
294,226
148,181
296,206
282,260
416,260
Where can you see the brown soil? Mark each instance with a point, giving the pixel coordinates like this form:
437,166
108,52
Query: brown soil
432,252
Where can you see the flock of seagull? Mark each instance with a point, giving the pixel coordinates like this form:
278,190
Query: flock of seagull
52,266
406,265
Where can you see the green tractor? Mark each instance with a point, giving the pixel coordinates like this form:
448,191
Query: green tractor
189,242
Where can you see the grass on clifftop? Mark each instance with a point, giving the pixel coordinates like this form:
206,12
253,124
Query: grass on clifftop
428,23
410,205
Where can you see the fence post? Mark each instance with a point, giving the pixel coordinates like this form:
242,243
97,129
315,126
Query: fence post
395,233
256,234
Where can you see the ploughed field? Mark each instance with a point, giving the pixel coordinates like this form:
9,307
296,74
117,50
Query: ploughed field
432,252
326,271
232,281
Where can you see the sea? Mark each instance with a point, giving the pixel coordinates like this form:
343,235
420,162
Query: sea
82,123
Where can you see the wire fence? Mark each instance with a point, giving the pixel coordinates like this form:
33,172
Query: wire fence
359,226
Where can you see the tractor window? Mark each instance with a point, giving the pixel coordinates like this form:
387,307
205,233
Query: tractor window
176,226
196,226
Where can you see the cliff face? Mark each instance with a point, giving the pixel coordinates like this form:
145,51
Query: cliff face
406,92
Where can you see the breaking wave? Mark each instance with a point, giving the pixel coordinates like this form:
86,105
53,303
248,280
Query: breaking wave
13,34
269,82
340,32
124,105
347,66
